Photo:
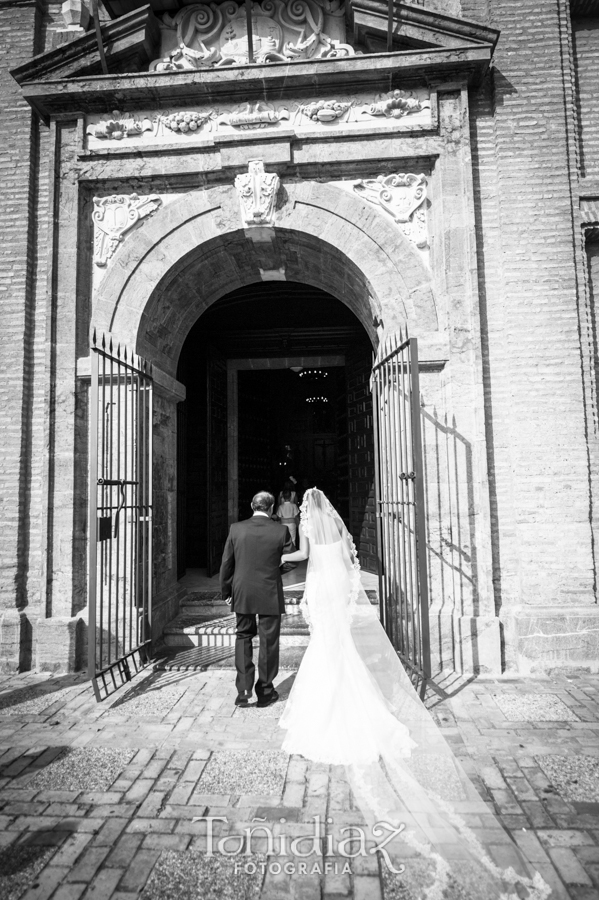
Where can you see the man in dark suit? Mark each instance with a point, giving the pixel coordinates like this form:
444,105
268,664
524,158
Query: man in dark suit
250,580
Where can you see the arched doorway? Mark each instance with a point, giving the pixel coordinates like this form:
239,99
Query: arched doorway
276,377
197,251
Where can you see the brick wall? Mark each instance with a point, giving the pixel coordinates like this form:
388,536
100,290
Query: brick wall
20,23
586,46
523,125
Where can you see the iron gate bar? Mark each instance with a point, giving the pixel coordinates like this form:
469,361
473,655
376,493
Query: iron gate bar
403,575
120,577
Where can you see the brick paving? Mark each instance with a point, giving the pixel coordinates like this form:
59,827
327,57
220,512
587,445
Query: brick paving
109,801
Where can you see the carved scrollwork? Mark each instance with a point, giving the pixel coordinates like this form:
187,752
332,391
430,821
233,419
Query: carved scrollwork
257,192
402,196
254,115
214,35
114,217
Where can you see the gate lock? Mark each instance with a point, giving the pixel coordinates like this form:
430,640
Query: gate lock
105,521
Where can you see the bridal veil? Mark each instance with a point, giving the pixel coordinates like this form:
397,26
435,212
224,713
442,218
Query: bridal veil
426,789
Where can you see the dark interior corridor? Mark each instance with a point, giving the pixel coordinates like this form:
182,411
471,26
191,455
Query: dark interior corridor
293,415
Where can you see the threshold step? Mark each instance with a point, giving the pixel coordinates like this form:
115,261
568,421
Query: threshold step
200,659
192,628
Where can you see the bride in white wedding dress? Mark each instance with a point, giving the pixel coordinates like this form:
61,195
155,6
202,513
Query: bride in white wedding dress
353,704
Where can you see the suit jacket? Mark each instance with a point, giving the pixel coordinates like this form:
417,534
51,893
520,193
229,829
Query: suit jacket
249,572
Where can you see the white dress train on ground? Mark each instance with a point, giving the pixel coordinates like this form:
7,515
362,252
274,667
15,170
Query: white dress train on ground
352,704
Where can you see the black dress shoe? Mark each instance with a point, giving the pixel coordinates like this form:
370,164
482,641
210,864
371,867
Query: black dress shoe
242,699
268,699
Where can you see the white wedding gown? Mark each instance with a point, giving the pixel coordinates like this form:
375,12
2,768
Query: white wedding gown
336,712
353,704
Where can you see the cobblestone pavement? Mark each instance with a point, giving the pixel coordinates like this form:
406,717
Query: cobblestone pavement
110,800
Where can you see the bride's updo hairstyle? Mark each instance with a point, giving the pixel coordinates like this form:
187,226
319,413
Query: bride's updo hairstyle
321,522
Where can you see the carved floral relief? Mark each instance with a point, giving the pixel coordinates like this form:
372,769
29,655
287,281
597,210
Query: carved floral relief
216,34
402,196
114,217
396,104
119,127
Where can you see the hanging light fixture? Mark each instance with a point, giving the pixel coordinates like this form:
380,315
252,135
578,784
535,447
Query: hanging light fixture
315,380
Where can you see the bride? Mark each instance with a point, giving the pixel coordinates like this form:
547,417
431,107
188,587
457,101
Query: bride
353,704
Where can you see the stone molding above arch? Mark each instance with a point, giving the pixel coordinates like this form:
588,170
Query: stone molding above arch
195,250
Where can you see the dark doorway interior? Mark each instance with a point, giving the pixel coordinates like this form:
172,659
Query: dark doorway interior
315,424
292,424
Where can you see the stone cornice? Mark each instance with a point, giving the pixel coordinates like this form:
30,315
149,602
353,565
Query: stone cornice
275,81
24,4
132,39
419,24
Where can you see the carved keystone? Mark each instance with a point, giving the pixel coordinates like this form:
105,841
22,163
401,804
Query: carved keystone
257,191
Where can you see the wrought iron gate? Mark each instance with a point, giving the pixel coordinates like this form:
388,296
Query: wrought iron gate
403,578
120,516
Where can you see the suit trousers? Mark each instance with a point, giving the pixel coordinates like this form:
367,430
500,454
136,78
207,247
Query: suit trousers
269,629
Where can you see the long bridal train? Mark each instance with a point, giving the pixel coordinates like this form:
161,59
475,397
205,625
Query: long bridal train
353,704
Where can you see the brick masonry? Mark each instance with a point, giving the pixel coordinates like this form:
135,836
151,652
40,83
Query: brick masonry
20,28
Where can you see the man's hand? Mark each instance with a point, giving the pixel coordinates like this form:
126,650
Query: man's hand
228,600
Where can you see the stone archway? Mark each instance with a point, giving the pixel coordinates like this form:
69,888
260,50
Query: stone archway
196,249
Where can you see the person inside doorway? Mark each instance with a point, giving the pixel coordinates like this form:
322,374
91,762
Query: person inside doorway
290,486
288,512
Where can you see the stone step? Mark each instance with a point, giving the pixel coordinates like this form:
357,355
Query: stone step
211,600
201,628
199,659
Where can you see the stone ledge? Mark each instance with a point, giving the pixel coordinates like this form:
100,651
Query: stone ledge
556,638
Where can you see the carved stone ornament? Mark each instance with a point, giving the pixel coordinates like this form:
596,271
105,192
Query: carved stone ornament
326,111
114,217
402,196
257,191
215,34
119,127
188,122
254,115
395,105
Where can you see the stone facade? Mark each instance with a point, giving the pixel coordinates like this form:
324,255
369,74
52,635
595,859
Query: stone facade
446,187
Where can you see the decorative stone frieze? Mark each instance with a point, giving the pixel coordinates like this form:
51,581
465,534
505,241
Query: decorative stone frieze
215,34
394,111
114,217
257,191
119,127
402,197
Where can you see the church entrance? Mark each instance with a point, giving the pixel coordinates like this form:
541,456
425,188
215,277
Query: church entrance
277,388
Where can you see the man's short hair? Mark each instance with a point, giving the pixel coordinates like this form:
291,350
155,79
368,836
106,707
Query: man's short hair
262,501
